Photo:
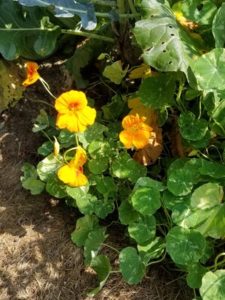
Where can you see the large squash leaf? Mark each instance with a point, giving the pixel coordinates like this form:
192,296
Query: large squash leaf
166,46
67,9
11,89
25,33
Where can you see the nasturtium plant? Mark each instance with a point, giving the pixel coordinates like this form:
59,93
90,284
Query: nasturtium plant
140,144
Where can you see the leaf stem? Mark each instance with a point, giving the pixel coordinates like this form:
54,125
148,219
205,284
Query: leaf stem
47,88
104,2
88,35
111,247
43,102
157,261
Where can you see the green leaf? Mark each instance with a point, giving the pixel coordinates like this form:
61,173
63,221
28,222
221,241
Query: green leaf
185,246
191,128
218,118
102,267
127,214
48,166
207,196
213,285
35,186
212,169
158,92
68,9
112,110
194,276
29,179
29,171
165,45
149,182
93,243
94,132
151,250
25,34
98,149
77,192
98,166
218,27
41,122
124,167
86,204
103,207
170,201
201,12
45,149
115,72
182,175
11,89
209,70
131,266
84,226
146,200
55,187
143,229
105,185
66,138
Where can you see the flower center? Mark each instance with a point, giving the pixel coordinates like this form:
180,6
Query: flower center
74,106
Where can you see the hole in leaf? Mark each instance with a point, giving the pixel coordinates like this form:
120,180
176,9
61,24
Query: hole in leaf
170,26
170,62
162,43
200,7
172,34
164,51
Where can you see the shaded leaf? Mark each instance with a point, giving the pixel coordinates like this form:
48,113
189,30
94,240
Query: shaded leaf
131,266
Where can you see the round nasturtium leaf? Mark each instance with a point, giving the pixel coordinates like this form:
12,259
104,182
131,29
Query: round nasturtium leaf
98,166
209,70
180,182
185,246
213,286
143,229
146,200
194,276
131,266
207,196
192,128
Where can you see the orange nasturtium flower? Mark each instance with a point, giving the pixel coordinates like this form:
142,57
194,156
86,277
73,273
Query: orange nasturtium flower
136,133
72,173
73,112
32,73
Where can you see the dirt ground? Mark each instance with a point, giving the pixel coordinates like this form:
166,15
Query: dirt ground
38,259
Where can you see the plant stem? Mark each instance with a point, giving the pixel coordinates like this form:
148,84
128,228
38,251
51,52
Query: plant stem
111,247
157,261
88,35
121,6
47,88
132,7
104,2
43,102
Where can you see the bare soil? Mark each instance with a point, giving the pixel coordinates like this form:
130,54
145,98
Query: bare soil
38,259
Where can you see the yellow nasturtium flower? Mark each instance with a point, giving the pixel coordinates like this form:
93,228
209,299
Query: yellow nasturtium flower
73,112
32,73
136,133
72,173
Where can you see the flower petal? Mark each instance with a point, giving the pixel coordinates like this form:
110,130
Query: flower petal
126,138
72,176
87,116
32,73
65,100
80,157
70,122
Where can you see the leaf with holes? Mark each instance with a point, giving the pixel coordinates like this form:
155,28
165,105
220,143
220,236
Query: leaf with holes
165,45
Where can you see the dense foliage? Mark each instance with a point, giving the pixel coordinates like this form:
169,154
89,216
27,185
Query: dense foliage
160,174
